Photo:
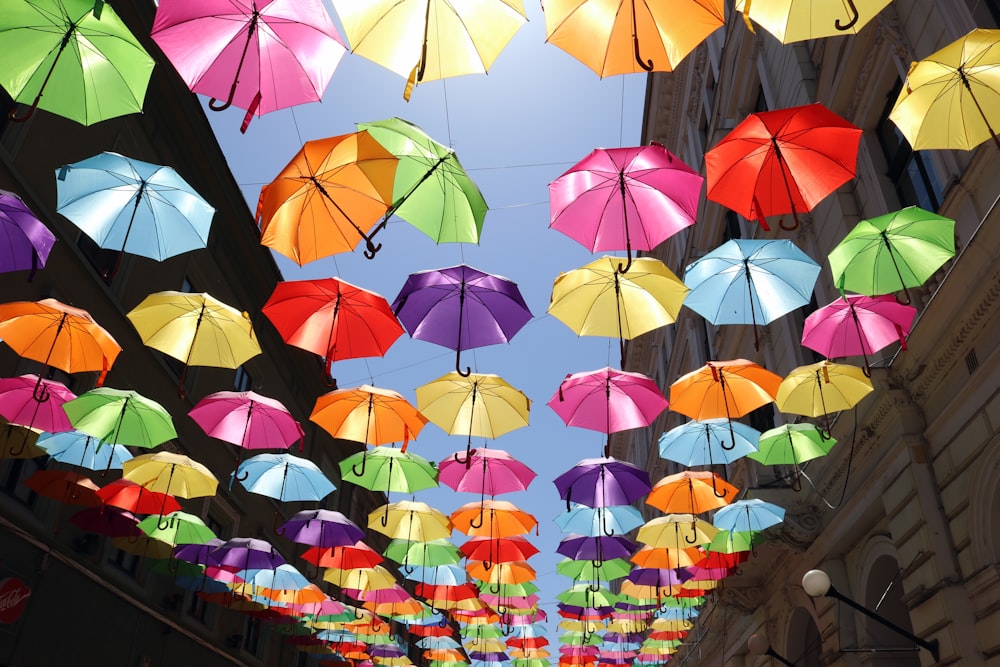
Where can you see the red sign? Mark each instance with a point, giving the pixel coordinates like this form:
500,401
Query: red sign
14,595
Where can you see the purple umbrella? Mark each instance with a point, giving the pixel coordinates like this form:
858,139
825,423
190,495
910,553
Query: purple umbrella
321,528
24,241
648,576
602,482
198,554
385,651
461,308
245,553
599,549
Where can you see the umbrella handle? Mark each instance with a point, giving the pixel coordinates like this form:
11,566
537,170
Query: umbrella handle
795,216
854,18
371,248
467,461
487,565
594,586
604,527
244,477
458,367
213,103
14,118
364,464
408,569
40,393
495,591
181,392
473,524
796,485
172,564
21,448
694,537
715,489
648,64
906,296
623,270
160,525
385,517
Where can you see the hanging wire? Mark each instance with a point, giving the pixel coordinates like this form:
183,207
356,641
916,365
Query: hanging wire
847,475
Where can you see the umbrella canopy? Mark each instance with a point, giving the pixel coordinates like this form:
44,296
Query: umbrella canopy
410,520
108,521
128,495
488,472
80,449
58,335
25,241
792,444
708,442
461,308
799,20
594,570
782,161
726,389
691,492
601,548
283,477
823,388
322,528
173,474
261,55
247,419
892,252
74,58
498,549
176,528
628,37
344,557
65,486
625,198
240,554
744,516
602,482
858,325
34,402
426,41
594,521
950,97
368,414
120,417
677,531
132,206
428,554
327,198
492,518
412,472
432,191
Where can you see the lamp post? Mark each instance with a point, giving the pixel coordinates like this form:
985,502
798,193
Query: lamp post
759,645
816,583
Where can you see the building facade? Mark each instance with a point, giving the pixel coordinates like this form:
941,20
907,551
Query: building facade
90,602
902,514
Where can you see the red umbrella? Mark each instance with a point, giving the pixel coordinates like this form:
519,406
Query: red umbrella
498,550
66,487
109,521
332,318
783,161
127,495
345,557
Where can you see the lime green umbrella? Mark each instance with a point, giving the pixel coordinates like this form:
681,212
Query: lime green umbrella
120,417
893,252
508,590
429,554
592,570
581,639
582,595
791,444
74,58
389,469
728,543
481,631
177,528
432,191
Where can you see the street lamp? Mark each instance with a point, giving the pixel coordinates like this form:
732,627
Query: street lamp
817,584
759,645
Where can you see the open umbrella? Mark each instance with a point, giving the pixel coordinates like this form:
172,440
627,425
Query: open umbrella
492,518
602,482
432,191
369,415
34,402
799,20
750,281
461,308
412,472
120,417
133,206
858,325
75,58
344,557
410,520
625,198
489,472
745,516
170,474
108,521
792,444
708,442
691,492
626,36
893,252
25,241
261,55
782,161
176,528
823,388
593,521
83,450
677,531
128,495
67,487
283,477
950,98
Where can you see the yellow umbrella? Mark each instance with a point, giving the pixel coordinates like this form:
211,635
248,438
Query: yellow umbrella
671,624
820,389
145,546
798,20
425,40
627,37
676,531
18,442
581,626
169,473
486,645
951,98
410,520
360,578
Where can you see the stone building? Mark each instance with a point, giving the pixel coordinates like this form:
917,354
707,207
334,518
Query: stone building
903,512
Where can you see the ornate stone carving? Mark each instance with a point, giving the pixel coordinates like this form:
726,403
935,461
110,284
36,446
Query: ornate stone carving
799,529
745,599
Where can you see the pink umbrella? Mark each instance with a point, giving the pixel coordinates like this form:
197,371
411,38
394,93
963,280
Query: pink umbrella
608,400
858,325
485,471
28,400
261,55
625,198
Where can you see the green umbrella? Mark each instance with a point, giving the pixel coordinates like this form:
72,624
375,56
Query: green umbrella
483,631
74,58
582,595
508,590
177,528
432,191
581,639
893,252
592,570
389,469
728,543
791,444
120,417
429,554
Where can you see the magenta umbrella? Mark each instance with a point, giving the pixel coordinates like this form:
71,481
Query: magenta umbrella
28,400
858,325
261,55
608,400
487,471
625,199
107,520
25,242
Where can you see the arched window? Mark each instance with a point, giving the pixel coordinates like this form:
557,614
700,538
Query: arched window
884,595
805,645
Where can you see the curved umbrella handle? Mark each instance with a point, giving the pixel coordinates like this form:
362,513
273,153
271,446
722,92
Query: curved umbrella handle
487,565
795,218
21,448
854,18
458,367
495,591
732,443
594,586
694,536
647,65
213,103
40,392
623,270
242,477
364,464
715,489
604,527
796,485
467,462
371,248
473,524
14,118
385,517
160,525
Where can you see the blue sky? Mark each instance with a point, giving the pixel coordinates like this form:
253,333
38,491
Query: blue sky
516,129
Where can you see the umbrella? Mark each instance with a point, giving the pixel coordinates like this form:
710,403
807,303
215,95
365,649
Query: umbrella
746,281
195,329
32,401
327,198
602,482
66,487
321,528
429,40
744,516
600,549
171,474
432,191
594,521
461,308
428,554
597,300
492,518
132,206
608,400
74,58
120,417
283,477
858,325
819,389
241,554
691,492
950,97
701,443
479,404
800,20
332,318
413,472
261,55
513,572
410,520
627,37
80,449
677,531
782,161
620,198
176,528
892,252
488,549
792,444
488,472
368,415
25,241
344,557
594,570
128,495
683,555
108,521
58,335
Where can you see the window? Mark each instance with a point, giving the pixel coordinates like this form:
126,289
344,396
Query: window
243,380
16,471
733,229
762,418
912,173
251,635
103,261
124,561
985,13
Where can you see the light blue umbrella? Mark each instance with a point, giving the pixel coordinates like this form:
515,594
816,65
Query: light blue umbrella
283,477
133,206
529,630
438,642
594,521
744,516
708,442
83,450
677,613
750,281
442,575
284,577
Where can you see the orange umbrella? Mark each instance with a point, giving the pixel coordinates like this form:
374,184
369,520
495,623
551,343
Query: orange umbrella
367,414
58,335
516,572
327,198
66,487
665,558
723,389
492,518
691,492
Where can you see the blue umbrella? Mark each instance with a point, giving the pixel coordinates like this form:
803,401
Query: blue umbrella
438,642
133,206
594,521
284,577
750,281
708,442
283,477
442,575
744,516
83,450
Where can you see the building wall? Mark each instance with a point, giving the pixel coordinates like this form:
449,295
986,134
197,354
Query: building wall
905,505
